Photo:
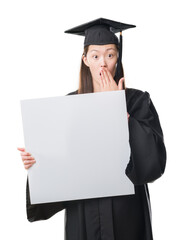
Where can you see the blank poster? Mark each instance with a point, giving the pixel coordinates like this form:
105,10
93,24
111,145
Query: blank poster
80,144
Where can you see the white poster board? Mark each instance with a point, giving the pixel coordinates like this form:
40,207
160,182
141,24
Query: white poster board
80,144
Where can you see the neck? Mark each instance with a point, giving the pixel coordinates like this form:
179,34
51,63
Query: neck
96,87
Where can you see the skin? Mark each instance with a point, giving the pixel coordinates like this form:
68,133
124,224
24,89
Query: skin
27,159
101,60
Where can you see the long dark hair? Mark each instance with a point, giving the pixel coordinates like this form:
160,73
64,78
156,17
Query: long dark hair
85,78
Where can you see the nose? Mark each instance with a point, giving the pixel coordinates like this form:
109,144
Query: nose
103,63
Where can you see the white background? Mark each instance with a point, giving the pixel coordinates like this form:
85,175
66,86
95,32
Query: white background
38,60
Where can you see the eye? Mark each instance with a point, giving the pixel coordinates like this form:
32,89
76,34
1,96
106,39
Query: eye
95,56
110,55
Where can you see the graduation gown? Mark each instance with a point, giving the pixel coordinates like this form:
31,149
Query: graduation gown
120,217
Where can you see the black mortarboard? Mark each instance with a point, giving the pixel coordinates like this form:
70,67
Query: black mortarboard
100,32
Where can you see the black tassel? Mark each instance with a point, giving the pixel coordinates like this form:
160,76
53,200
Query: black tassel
120,46
119,69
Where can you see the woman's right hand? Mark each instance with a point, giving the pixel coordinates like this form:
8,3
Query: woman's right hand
27,159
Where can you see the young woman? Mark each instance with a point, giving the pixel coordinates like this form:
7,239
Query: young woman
119,217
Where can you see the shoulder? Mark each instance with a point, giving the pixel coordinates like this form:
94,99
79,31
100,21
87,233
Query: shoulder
133,94
72,93
137,99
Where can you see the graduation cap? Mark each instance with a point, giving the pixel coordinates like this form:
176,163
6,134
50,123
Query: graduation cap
102,31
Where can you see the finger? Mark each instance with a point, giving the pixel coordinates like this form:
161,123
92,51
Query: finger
128,115
112,83
28,166
27,158
21,149
107,80
25,154
120,84
102,79
111,79
29,162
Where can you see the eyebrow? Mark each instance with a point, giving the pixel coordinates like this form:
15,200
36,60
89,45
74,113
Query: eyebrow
105,50
111,49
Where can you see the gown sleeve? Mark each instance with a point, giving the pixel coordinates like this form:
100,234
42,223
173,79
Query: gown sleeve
148,153
43,211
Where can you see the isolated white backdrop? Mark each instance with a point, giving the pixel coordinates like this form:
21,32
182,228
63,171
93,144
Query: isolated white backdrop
38,60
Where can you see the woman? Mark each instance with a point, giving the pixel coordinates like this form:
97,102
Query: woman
120,217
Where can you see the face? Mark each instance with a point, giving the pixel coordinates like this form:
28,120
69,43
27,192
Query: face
101,56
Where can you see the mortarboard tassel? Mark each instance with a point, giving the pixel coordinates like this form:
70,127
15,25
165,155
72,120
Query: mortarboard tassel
119,70
120,46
